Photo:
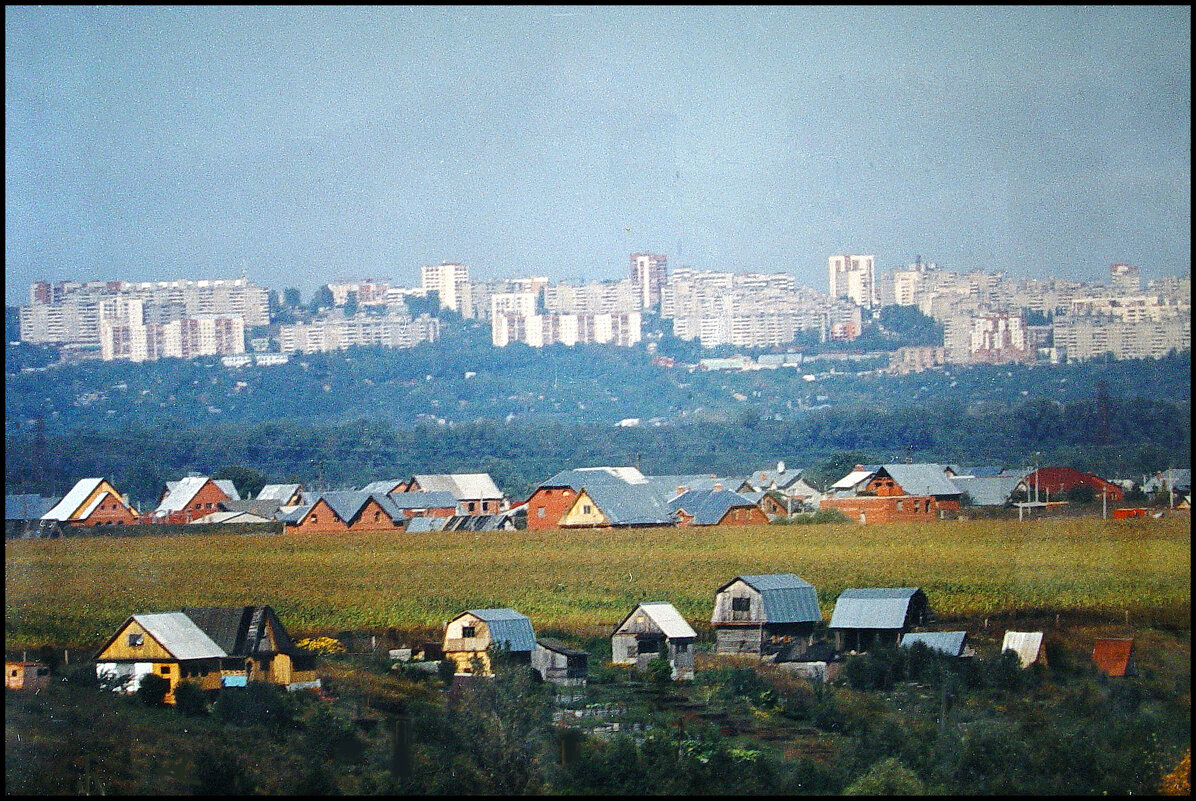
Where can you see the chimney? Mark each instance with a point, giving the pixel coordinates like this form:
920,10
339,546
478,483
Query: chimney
718,487
681,490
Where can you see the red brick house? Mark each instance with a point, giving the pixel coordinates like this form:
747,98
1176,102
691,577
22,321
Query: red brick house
1058,480
345,512
190,498
92,502
894,493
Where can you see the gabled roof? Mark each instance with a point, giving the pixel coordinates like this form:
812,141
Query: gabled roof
855,477
630,504
386,485
242,630
579,477
68,507
950,643
872,608
295,514
767,479
507,627
179,493
921,479
981,471
177,633
348,504
27,507
494,522
691,482
560,647
1026,644
987,490
278,492
786,598
463,486
665,616
437,499
708,506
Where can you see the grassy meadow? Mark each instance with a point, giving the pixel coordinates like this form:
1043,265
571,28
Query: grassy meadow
74,592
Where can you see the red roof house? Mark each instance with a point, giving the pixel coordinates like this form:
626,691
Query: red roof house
1058,480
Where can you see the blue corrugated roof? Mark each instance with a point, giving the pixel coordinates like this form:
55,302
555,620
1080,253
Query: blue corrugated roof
438,499
508,627
708,506
630,504
872,608
786,598
27,507
947,642
422,525
921,479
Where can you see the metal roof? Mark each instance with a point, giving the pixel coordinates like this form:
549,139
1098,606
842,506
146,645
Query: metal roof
1114,657
386,485
70,503
179,493
277,492
295,514
987,490
27,507
578,477
179,635
921,479
666,617
241,630
1026,644
507,627
437,499
767,479
560,647
853,478
463,486
708,506
948,642
226,485
786,598
630,504
423,525
872,608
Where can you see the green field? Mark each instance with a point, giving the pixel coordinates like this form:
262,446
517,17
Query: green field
74,592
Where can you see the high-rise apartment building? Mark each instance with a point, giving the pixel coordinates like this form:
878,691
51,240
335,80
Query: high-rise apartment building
853,277
1124,279
649,272
451,282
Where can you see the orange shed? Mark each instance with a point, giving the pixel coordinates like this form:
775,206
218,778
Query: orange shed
1114,657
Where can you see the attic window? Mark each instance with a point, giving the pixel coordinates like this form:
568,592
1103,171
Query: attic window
741,604
135,640
468,631
586,508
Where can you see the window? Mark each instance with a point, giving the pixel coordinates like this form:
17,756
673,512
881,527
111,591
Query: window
164,670
586,508
741,604
471,506
377,516
539,511
14,672
468,631
135,640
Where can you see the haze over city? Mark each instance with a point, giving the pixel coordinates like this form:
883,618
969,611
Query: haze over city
302,145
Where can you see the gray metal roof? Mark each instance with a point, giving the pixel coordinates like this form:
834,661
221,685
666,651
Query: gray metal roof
277,492
226,485
179,493
27,507
786,598
987,490
630,504
463,486
296,514
921,479
948,642
666,617
1026,644
179,635
579,477
423,525
348,503
386,485
436,499
507,627
708,506
872,608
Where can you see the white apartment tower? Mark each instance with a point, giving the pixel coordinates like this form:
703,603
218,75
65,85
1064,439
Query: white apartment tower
1125,279
853,277
451,282
649,272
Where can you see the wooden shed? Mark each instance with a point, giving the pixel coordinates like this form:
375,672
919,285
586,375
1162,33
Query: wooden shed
257,647
763,614
23,675
477,633
559,663
655,631
877,616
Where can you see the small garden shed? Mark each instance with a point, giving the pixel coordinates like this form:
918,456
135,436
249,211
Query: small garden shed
1027,645
479,633
877,616
950,643
762,614
651,631
23,675
559,663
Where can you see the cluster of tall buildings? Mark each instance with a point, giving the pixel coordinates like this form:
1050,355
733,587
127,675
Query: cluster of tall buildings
985,317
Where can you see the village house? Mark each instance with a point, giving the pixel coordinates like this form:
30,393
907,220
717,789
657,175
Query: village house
559,663
1028,646
877,616
1047,481
23,514
475,493
472,638
894,492
344,511
655,630
991,491
715,507
790,485
765,613
951,643
615,505
212,647
550,501
188,498
283,494
24,675
92,502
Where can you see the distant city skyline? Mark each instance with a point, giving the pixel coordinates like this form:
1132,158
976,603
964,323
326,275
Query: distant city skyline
299,146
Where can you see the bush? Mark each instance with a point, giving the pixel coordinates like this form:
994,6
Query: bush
189,699
152,689
659,673
878,669
887,777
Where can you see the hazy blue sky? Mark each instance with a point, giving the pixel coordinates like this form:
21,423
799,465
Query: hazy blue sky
301,145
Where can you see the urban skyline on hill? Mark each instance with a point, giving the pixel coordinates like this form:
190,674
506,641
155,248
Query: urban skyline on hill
299,145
